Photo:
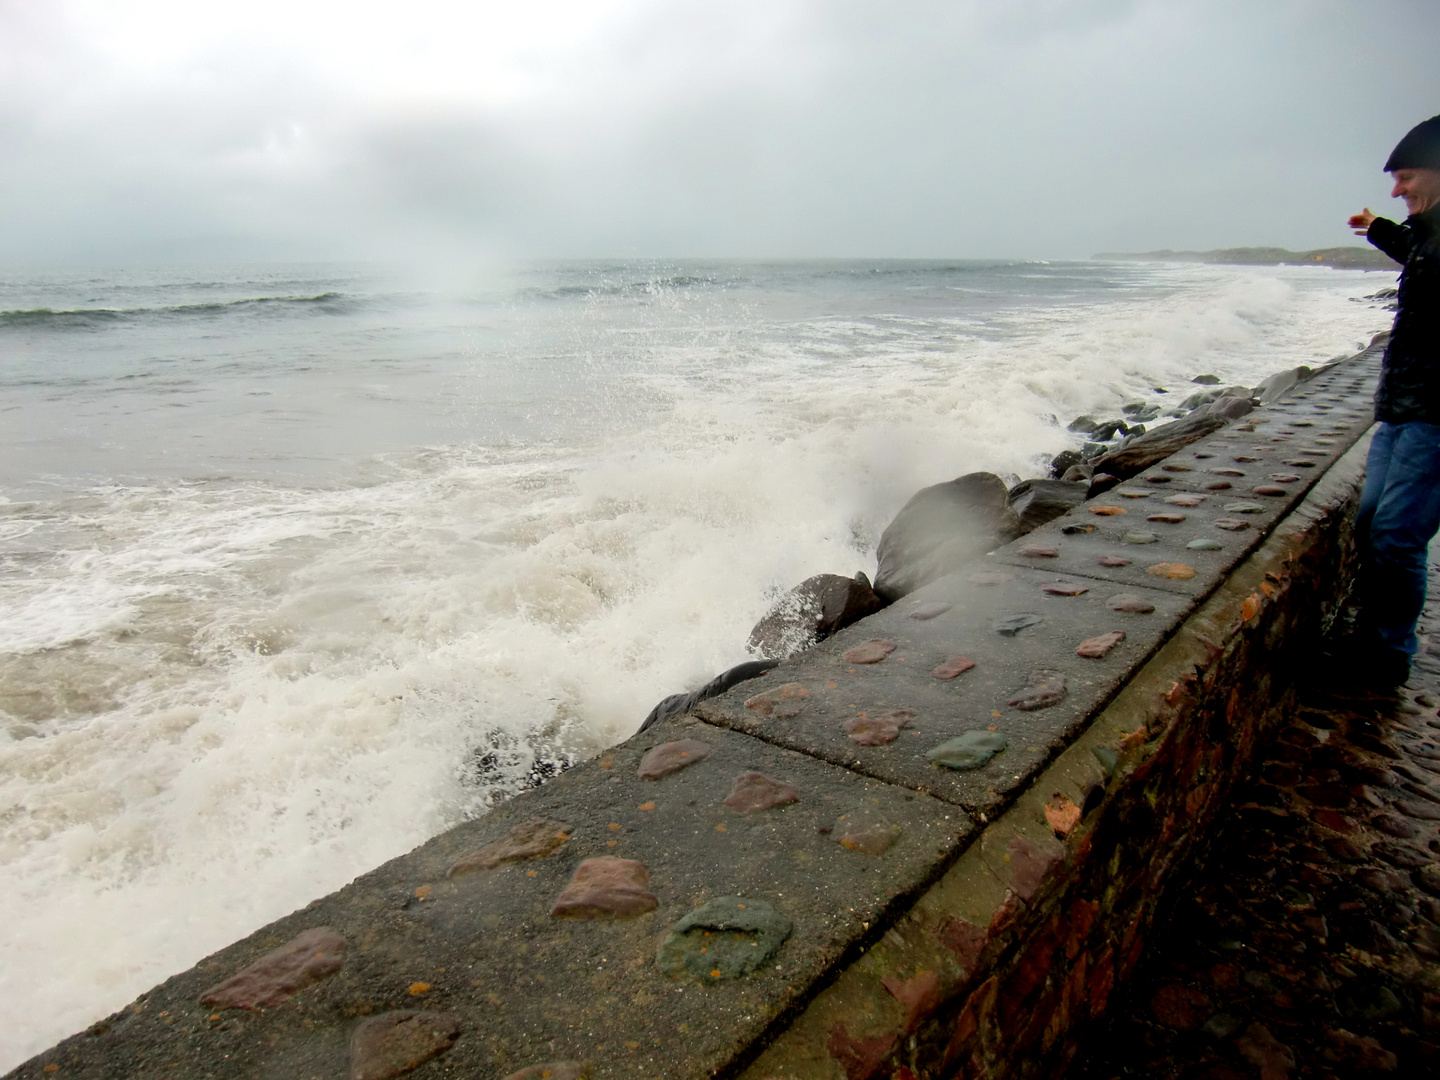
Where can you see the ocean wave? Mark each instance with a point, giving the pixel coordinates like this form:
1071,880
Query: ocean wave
620,288
96,318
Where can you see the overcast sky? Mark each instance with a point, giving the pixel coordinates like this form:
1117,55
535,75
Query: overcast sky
132,130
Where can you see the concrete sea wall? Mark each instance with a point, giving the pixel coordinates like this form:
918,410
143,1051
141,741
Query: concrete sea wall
930,846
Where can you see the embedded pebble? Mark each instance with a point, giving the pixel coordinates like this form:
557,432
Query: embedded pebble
1113,560
1177,468
878,730
1244,508
1185,500
753,792
1045,688
1065,588
1140,537
1283,478
1156,479
1077,527
932,610
393,1043
1130,604
1096,647
783,702
729,937
533,839
1107,511
606,887
1204,543
1299,464
1172,570
956,665
1010,625
968,751
660,761
1203,454
1038,551
1231,524
1133,494
1271,489
1245,459
1217,485
866,831
1166,519
279,975
869,652
990,577
1228,472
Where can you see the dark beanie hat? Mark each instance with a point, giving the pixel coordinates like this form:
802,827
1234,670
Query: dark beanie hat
1420,149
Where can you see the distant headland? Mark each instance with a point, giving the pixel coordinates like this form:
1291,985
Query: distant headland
1345,258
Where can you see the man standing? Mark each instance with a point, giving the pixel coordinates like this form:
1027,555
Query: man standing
1400,503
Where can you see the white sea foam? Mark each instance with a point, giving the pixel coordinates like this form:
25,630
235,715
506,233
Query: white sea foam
222,699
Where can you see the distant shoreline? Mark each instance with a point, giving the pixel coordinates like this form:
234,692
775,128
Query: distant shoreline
1344,258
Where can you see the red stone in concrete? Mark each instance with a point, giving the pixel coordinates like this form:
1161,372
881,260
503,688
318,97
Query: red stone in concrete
870,652
878,730
754,792
932,610
1039,551
553,1070
1166,519
393,1043
1217,485
1046,688
671,757
868,835
606,887
1173,570
1065,588
919,994
1130,604
1283,478
859,1057
990,577
1113,560
278,976
1185,500
1062,815
956,665
533,839
1107,511
1232,524
1096,647
1271,489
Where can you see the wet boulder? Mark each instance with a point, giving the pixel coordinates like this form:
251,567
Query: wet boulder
942,528
811,612
680,704
1280,384
1156,445
1037,501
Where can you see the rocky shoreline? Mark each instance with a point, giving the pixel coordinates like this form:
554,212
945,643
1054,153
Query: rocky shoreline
947,525
1341,258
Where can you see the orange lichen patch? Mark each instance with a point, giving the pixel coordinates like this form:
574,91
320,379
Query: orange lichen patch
1107,511
1173,570
1250,607
422,893
1061,814
615,825
1267,588
647,806
418,988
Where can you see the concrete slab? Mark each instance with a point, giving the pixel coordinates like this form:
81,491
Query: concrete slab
480,953
827,692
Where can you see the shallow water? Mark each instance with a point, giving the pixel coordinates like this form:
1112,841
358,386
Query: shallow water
299,566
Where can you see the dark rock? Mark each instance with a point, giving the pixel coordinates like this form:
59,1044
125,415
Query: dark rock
1280,384
1200,397
1101,482
1010,625
755,792
660,761
968,751
1268,1054
1369,1002
1224,408
727,938
956,665
1428,878
1044,689
533,839
1080,471
1036,502
1064,461
1206,380
941,529
606,887
1107,429
278,976
553,1070
680,704
811,612
869,652
1096,647
1082,423
393,1043
1158,444
878,730
1396,826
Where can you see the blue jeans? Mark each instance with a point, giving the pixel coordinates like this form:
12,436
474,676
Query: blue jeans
1399,513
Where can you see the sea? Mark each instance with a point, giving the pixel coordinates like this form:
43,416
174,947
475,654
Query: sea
302,564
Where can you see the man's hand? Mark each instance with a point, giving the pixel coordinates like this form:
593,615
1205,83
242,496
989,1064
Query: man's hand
1361,222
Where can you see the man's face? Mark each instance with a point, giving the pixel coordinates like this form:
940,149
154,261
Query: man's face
1420,188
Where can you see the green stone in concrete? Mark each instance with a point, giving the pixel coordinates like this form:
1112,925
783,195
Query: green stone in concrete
968,751
729,937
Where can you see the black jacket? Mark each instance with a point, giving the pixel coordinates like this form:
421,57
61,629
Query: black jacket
1410,378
